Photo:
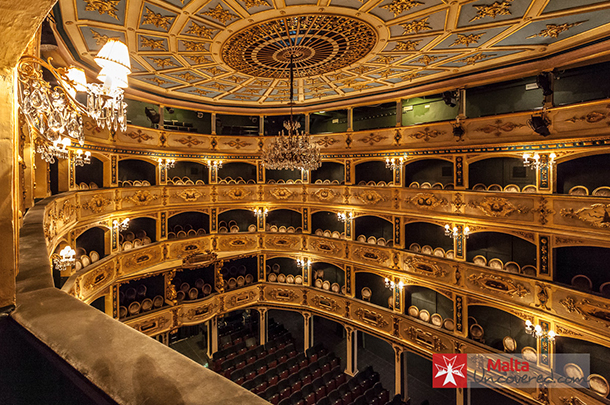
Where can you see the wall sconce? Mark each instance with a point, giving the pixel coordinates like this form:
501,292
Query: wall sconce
454,232
391,285
261,212
120,226
65,259
303,263
345,216
395,163
537,332
538,162
81,158
216,164
52,111
167,163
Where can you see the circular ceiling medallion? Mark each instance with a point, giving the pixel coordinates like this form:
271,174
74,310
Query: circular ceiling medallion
317,44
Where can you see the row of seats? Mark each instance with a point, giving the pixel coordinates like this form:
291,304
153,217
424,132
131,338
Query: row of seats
258,359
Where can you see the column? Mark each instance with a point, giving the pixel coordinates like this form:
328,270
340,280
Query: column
308,330
261,125
263,325
212,336
460,177
306,123
462,103
461,396
399,113
350,119
213,123
400,372
351,368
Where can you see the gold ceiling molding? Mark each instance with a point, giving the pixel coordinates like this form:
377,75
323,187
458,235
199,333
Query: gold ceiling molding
498,207
492,10
103,7
553,30
157,19
498,127
463,39
153,44
400,6
498,284
596,215
200,31
427,200
413,27
220,14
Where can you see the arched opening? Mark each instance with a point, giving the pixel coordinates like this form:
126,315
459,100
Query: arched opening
371,287
599,357
326,224
496,250
428,238
90,176
283,220
194,284
378,355
188,225
236,221
373,173
238,273
498,329
429,306
91,246
329,172
283,270
428,173
374,230
239,172
590,172
141,232
495,174
282,176
418,381
188,173
583,268
134,172
141,296
329,277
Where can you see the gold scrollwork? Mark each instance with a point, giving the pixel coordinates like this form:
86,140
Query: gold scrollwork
498,207
239,243
97,277
283,294
326,194
282,241
189,195
498,284
498,127
588,310
237,193
371,254
424,267
200,312
242,298
425,339
426,134
596,215
97,203
325,246
151,325
426,200
370,197
282,193
371,318
326,303
141,197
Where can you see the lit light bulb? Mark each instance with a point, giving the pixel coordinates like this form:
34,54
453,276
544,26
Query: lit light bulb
528,323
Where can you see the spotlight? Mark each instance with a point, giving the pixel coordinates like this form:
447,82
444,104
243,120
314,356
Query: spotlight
450,98
543,80
152,115
540,124
169,110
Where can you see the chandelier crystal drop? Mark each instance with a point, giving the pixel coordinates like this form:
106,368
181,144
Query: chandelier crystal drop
292,150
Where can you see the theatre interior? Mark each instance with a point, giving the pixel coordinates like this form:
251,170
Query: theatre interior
302,202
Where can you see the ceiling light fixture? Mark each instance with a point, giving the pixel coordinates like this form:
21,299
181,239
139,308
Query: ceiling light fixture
293,149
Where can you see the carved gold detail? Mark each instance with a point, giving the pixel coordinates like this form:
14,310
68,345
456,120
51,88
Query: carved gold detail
370,197
425,339
193,46
497,284
326,303
543,211
141,197
200,31
282,241
498,127
543,296
416,25
240,243
200,312
588,310
471,60
596,215
152,43
326,194
463,39
492,10
157,19
282,193
370,317
283,294
100,39
427,59
591,117
97,277
220,14
189,141
426,200
325,246
242,298
424,267
237,193
157,80
255,3
399,6
559,240
553,30
498,207
572,401
426,134
326,141
163,62
406,45
373,138
151,325
97,203
371,254
103,7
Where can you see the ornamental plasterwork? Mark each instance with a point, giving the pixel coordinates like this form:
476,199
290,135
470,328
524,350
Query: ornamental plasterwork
492,10
370,197
237,144
400,6
373,138
416,25
498,207
157,19
371,318
282,242
497,284
424,267
189,141
498,127
596,215
238,243
282,193
588,310
324,246
163,62
96,277
152,324
591,117
103,7
237,193
152,43
371,255
141,197
326,141
427,200
189,195
282,294
200,31
553,30
139,136
242,298
255,3
326,194
325,303
220,14
200,312
426,134
467,39
97,203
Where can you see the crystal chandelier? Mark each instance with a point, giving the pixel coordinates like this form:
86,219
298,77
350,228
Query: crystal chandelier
53,113
538,162
292,149
66,258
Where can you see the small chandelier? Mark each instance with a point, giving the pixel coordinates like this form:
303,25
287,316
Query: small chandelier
345,216
65,259
260,212
214,164
539,162
81,158
167,163
293,149
395,163
303,263
537,332
54,114
454,232
391,285
122,225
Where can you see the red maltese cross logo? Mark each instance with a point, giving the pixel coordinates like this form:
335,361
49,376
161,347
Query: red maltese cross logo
449,371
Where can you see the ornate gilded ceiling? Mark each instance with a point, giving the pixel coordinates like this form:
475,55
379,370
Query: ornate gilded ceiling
237,52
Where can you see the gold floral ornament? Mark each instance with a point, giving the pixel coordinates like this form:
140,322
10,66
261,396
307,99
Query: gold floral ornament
427,59
189,195
157,80
255,3
193,46
96,204
424,267
426,134
416,25
157,19
282,193
283,294
220,14
426,200
596,215
370,197
492,10
103,7
471,60
199,59
553,30
371,255
467,39
371,317
326,194
188,76
101,39
163,63
399,6
152,43
200,31
326,303
237,193
406,45
498,207
141,197
498,127
139,136
497,284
